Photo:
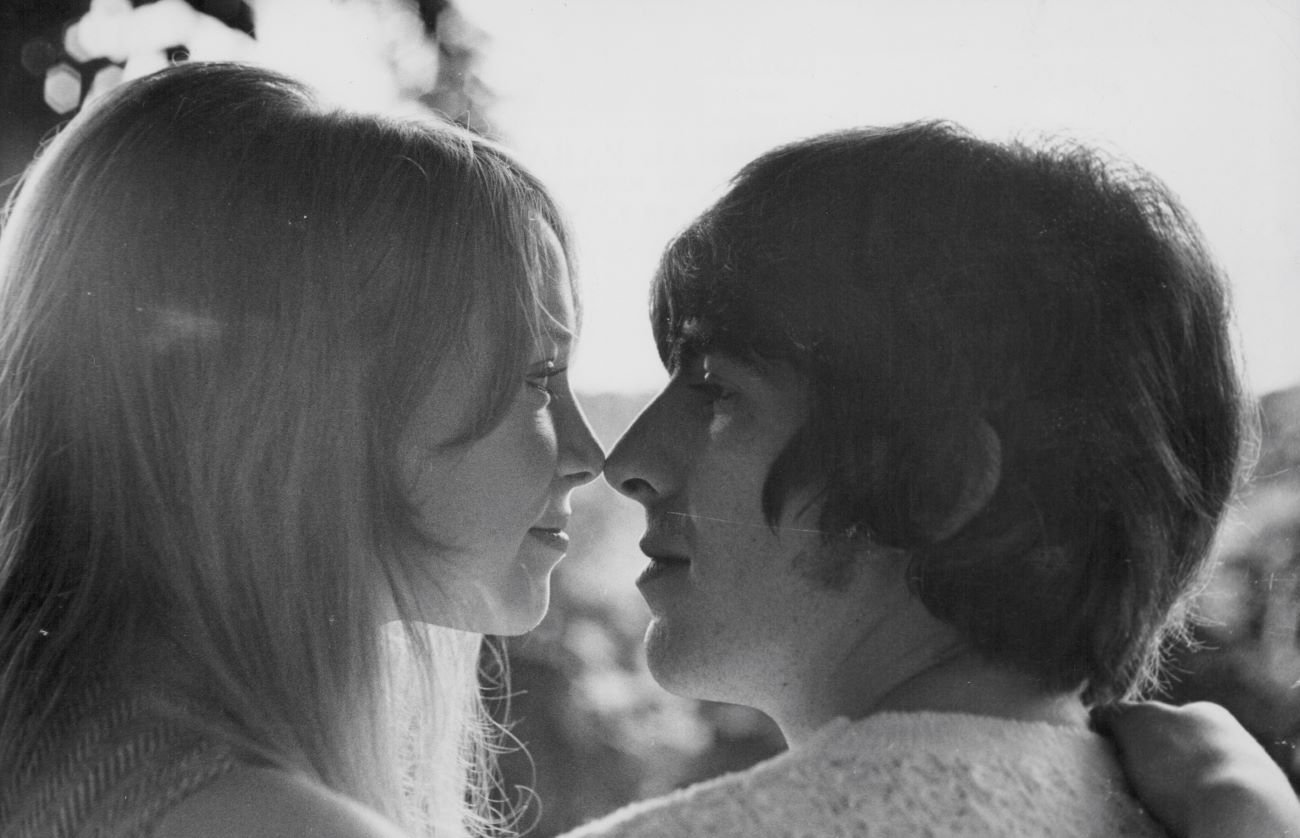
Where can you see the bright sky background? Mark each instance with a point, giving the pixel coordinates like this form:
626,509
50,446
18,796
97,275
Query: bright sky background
636,112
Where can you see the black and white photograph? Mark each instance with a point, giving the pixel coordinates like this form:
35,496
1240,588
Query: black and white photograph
624,419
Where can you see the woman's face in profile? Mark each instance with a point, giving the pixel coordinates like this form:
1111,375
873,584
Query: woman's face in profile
496,509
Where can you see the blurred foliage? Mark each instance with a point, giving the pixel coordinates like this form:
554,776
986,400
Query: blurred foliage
598,731
39,40
1247,654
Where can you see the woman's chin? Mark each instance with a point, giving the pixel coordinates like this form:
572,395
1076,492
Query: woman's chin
519,619
502,616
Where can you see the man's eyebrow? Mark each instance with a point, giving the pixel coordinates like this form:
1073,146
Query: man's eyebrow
686,351
693,338
749,363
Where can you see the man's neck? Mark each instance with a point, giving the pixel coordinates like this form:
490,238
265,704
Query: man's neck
965,683
936,675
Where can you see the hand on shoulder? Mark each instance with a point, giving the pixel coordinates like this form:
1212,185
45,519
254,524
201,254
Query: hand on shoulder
254,802
1200,772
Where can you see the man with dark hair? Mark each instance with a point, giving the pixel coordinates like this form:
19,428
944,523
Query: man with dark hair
949,428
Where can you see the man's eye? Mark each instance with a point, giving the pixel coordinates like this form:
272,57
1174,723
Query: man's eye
712,389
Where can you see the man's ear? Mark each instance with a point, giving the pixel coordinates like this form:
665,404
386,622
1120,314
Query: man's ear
981,471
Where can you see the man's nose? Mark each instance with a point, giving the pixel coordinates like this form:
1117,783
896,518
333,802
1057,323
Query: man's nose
640,463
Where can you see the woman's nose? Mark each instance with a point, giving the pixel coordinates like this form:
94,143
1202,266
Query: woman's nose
581,457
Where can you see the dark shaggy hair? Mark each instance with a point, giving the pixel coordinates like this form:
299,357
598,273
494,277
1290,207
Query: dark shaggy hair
930,286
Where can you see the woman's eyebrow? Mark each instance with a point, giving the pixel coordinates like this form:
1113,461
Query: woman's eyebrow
562,338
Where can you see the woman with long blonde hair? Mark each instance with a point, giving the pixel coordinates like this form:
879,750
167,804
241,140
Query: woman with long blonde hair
285,430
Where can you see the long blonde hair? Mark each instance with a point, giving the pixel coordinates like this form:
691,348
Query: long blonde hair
221,303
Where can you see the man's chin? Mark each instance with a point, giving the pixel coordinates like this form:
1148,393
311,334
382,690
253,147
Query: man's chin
671,658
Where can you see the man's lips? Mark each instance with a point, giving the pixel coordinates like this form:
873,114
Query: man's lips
663,562
660,549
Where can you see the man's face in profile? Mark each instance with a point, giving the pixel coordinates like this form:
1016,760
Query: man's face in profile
735,607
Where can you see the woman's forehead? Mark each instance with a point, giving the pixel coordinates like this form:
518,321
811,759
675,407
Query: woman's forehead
557,294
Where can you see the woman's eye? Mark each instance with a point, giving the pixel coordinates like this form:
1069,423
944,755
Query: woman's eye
541,377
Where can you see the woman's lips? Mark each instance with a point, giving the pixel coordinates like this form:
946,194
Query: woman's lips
555,539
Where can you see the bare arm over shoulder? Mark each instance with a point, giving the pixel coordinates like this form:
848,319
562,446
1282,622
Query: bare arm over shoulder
268,803
1199,771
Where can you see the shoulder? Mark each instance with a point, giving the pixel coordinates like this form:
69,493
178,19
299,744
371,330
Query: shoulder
810,788
251,802
1010,777
909,774
771,795
717,808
